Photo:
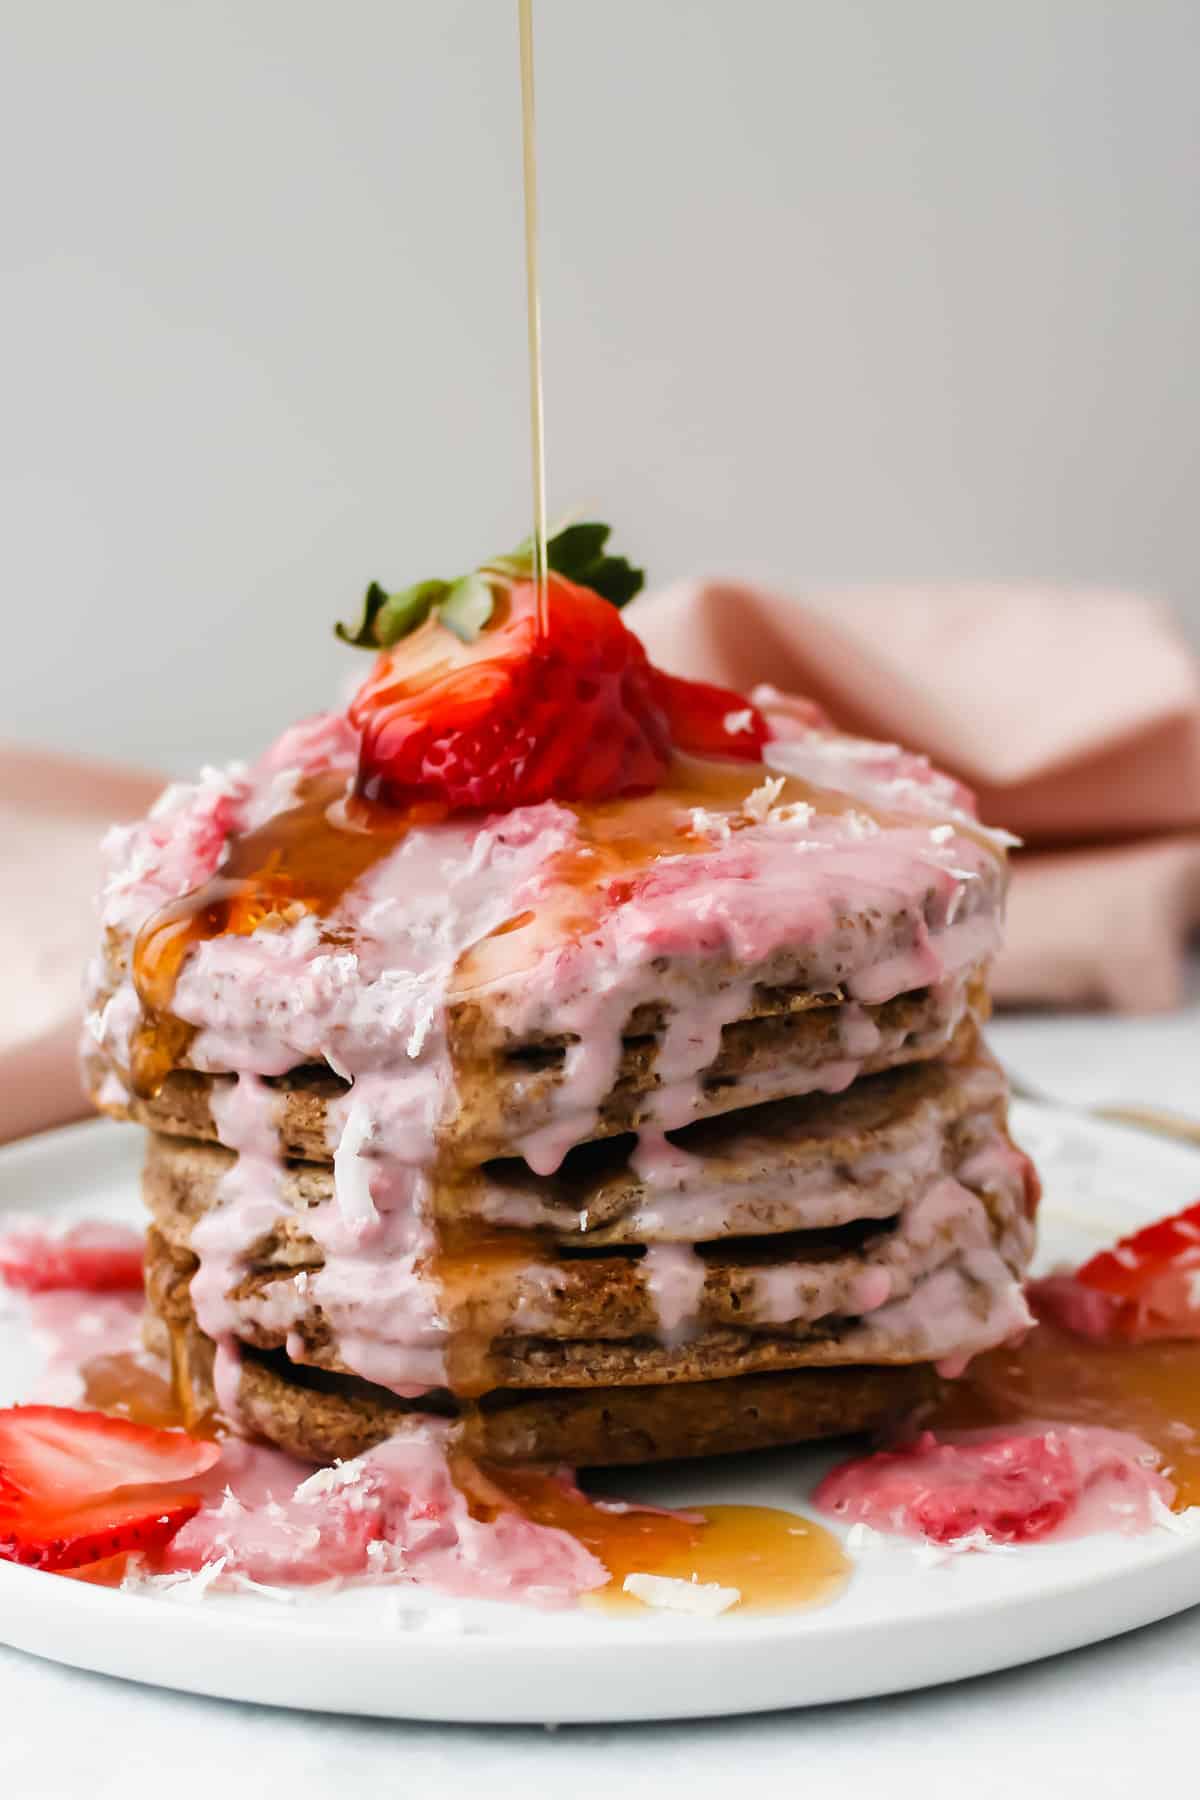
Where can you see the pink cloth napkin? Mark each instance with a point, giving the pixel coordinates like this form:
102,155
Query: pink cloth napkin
53,810
1075,716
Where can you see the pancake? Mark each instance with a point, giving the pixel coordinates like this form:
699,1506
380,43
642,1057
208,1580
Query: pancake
497,1106
320,1417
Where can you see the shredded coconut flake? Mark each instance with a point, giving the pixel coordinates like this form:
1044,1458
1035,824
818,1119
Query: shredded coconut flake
757,806
738,721
327,1481
863,1540
703,1599
285,1596
934,1556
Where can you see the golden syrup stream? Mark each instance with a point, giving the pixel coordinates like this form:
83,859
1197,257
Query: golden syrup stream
533,310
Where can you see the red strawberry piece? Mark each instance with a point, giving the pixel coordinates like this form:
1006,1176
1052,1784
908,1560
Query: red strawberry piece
95,1533
1013,1488
710,721
514,717
95,1258
1151,1279
1062,1300
77,1487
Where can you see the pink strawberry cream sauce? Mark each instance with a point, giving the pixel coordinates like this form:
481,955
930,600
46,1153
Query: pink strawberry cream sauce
395,1514
1002,1486
565,919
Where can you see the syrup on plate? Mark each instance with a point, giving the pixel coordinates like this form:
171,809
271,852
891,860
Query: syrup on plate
1152,1390
777,1560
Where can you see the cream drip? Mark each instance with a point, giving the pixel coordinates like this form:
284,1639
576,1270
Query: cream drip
248,1206
674,1278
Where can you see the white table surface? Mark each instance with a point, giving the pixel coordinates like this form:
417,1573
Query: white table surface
1121,1716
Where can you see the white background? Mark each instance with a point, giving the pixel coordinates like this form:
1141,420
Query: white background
834,289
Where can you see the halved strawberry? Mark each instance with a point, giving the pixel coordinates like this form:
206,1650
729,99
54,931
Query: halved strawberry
76,1487
484,699
513,716
1151,1280
95,1258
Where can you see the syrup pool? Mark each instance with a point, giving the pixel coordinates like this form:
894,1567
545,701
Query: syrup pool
776,1560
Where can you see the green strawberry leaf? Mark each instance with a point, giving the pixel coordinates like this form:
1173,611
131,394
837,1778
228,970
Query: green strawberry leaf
578,552
386,618
465,606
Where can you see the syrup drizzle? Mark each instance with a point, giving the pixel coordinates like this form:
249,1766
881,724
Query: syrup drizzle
302,860
533,310
623,837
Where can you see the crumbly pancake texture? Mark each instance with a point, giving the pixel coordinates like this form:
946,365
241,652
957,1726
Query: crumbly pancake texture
628,1130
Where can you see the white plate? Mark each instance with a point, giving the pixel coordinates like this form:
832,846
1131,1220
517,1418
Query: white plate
403,1654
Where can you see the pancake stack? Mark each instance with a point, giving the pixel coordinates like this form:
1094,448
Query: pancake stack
653,1129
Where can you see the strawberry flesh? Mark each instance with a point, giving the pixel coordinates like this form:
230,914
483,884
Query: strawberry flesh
77,1487
1014,1488
1004,1486
1146,1287
90,1258
710,721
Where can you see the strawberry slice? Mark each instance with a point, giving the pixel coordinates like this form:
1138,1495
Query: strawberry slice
94,1258
512,717
77,1487
1149,1282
